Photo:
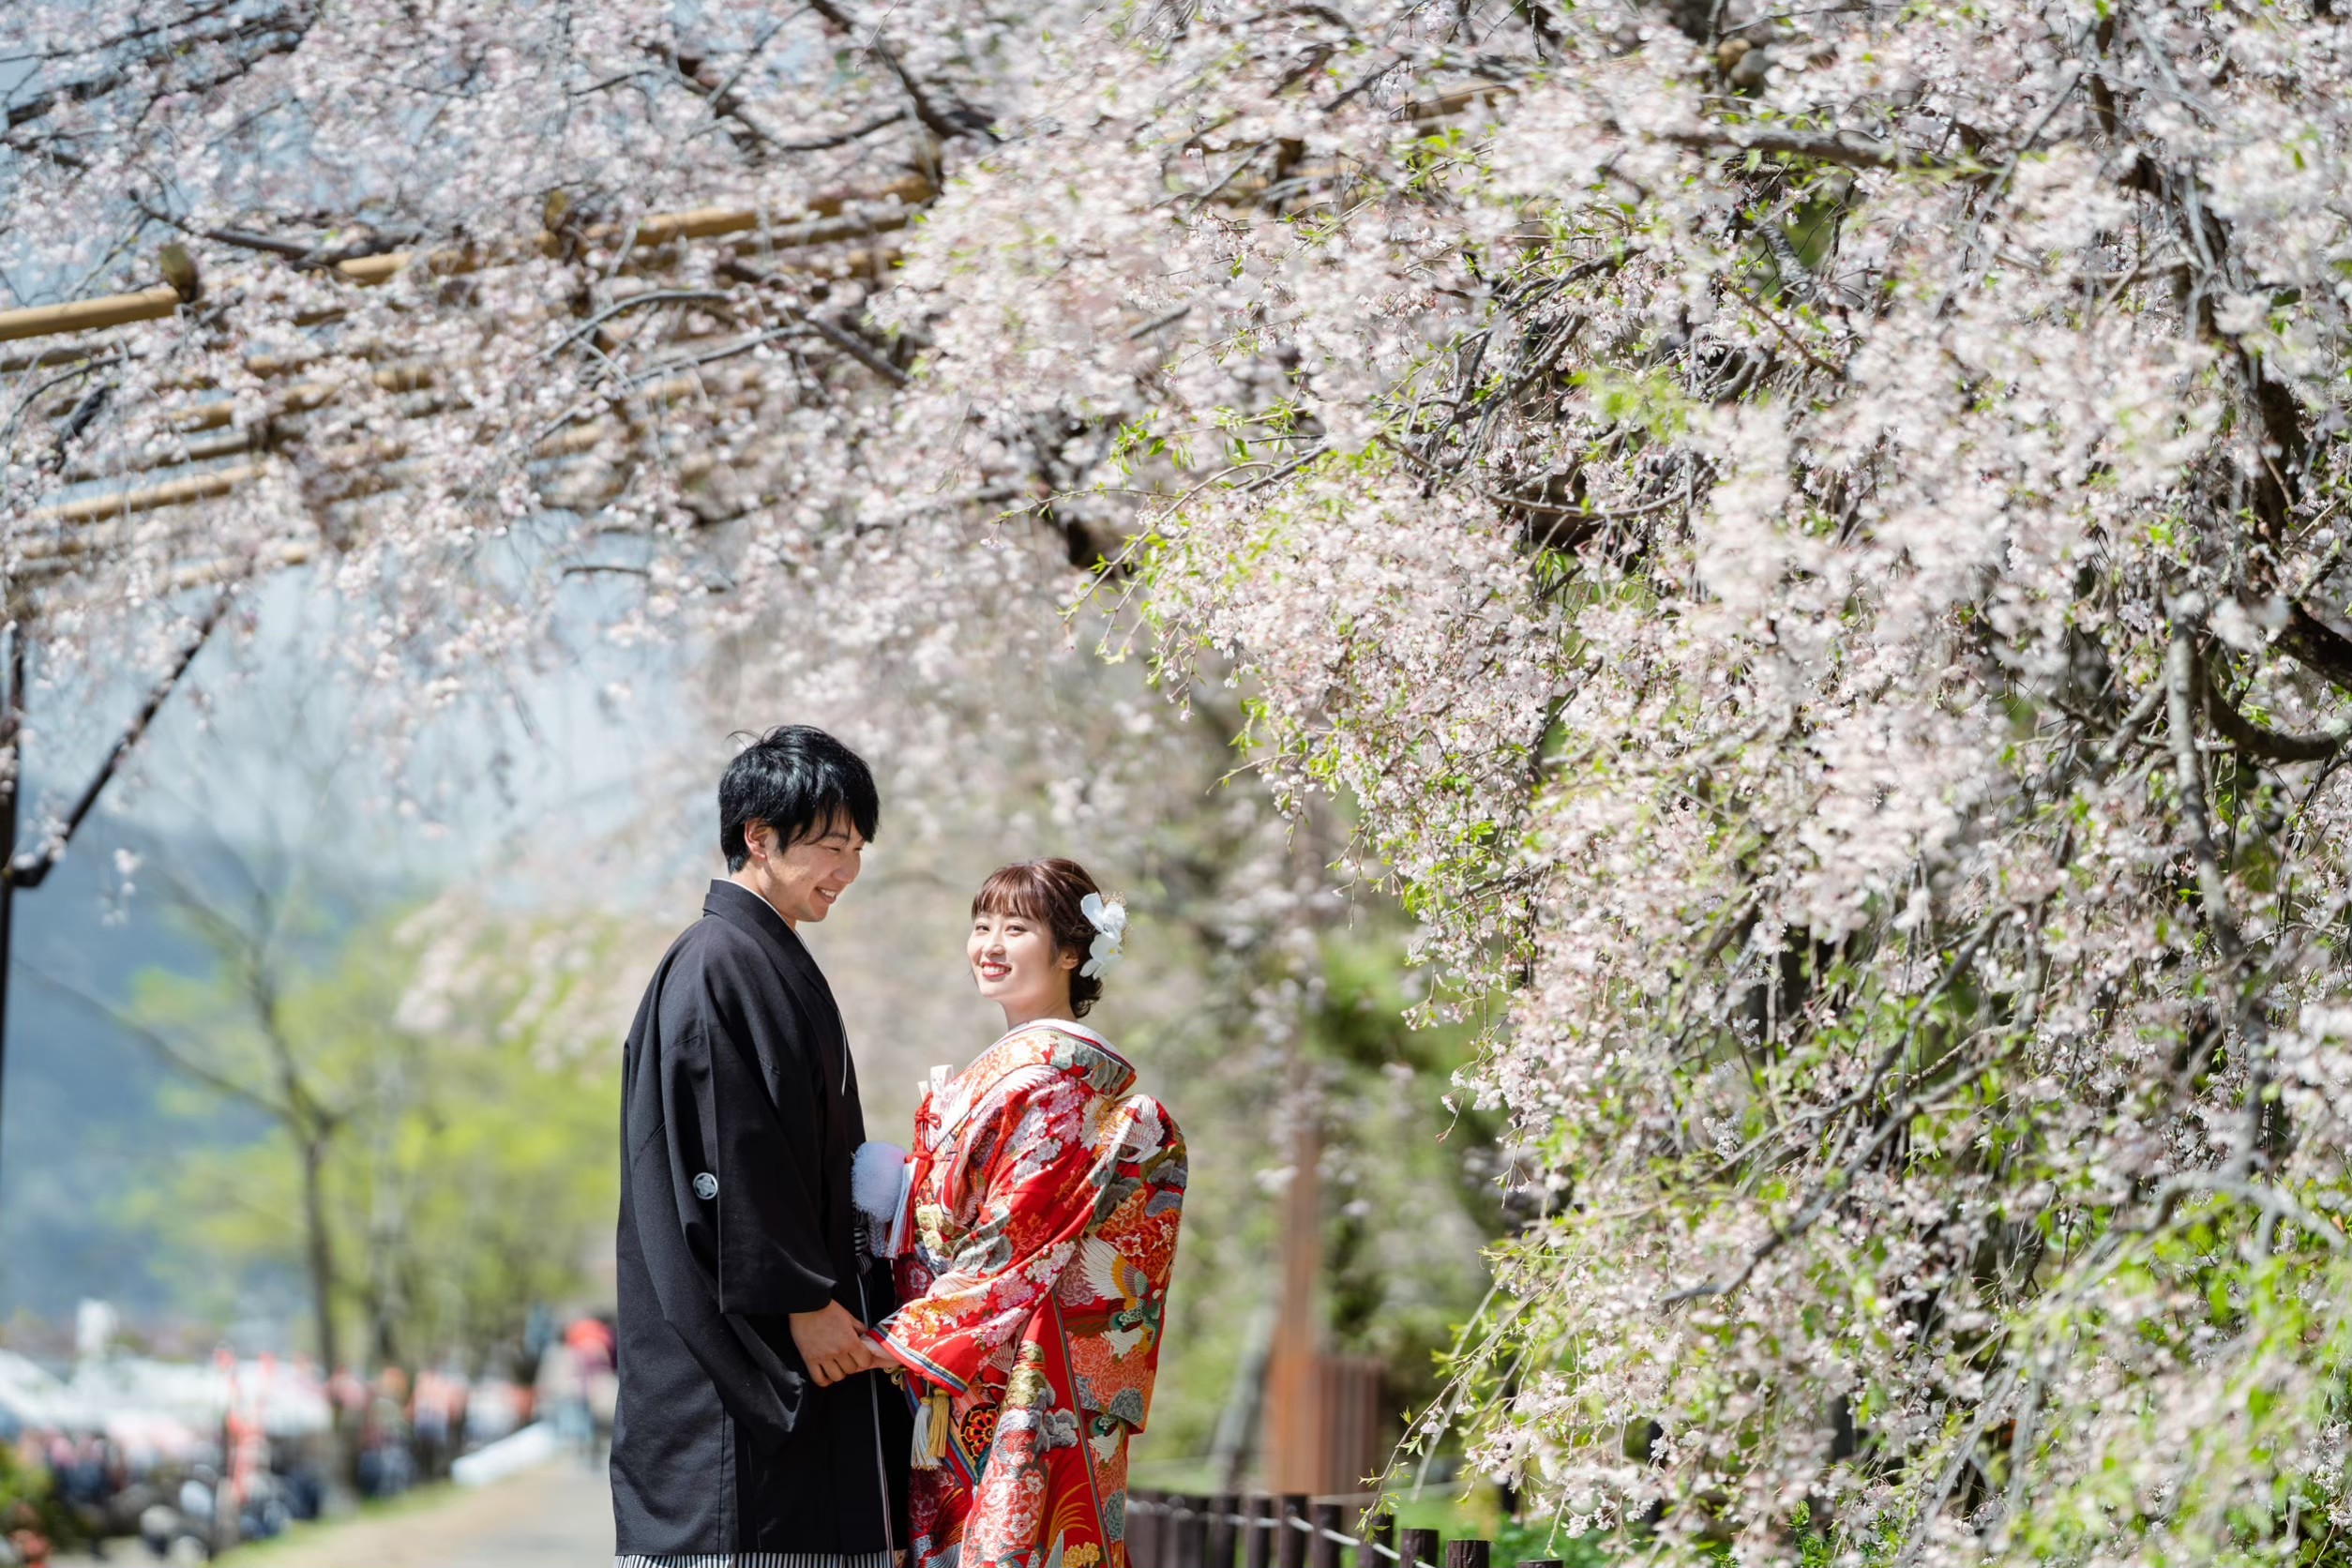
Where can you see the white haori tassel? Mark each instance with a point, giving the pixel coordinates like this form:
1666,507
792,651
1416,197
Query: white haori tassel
879,1173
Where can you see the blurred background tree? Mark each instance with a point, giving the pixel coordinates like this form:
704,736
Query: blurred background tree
438,1156
464,1170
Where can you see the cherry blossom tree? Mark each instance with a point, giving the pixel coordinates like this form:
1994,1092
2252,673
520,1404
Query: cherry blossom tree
1895,781
1807,537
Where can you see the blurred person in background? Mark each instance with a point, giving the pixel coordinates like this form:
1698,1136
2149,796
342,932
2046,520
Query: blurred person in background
562,1398
589,1342
435,1409
386,1467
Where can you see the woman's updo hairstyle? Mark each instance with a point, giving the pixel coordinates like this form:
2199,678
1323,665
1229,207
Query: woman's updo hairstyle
1048,893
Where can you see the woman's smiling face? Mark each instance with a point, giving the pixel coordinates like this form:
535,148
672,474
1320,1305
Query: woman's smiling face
1015,963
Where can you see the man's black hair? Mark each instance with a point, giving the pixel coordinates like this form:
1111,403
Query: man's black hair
799,780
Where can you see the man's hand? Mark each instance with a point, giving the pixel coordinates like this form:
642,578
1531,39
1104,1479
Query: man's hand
832,1344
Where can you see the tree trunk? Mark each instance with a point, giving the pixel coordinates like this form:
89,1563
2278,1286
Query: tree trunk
319,1252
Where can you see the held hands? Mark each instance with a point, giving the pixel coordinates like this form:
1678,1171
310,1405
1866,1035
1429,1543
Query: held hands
832,1345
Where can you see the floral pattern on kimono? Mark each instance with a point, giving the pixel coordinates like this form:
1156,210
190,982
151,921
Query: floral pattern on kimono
1044,1203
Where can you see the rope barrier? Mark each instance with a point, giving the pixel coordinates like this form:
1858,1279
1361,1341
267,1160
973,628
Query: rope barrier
1174,1511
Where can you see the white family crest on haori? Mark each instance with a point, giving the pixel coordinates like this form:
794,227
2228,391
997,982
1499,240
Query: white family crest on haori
1110,919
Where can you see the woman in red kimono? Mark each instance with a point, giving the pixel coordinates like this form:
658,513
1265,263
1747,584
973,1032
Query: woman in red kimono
1037,1233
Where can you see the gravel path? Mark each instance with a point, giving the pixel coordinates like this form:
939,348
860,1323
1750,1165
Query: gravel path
558,1516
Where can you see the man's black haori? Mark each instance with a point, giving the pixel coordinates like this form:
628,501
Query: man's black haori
740,1115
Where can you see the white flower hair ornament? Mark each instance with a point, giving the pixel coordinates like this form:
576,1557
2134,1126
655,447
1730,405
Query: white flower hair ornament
1110,919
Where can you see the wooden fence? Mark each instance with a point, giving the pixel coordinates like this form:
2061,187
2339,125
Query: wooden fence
1176,1530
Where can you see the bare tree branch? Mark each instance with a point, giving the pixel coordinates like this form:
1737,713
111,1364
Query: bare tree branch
1849,148
277,33
162,1046
947,126
2274,745
2183,679
30,870
821,143
725,102
840,337
2317,646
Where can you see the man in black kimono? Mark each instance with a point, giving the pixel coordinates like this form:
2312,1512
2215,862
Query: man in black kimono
753,1431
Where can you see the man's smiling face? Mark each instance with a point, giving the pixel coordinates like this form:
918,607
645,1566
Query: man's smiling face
805,877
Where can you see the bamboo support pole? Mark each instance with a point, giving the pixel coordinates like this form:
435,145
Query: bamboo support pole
211,484
369,271
172,493
667,227
303,397
41,359
59,556
570,442
60,549
1455,101
300,397
287,553
405,376
220,446
91,315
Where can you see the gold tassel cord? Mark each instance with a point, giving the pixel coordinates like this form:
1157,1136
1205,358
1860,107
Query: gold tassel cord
931,1419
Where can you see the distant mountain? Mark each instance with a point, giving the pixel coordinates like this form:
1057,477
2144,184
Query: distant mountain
81,1126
